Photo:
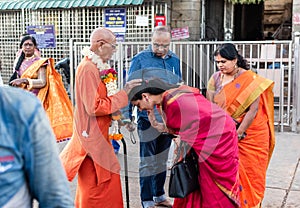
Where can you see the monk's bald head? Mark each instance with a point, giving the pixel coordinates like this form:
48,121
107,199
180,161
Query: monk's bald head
101,34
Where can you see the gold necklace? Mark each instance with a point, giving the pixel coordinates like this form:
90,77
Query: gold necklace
28,58
234,76
236,73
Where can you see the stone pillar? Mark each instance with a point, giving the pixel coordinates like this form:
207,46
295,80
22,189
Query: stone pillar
187,13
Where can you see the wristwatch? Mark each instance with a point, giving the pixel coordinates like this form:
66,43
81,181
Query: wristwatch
242,136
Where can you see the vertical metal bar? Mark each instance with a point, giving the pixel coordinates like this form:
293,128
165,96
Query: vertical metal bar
72,75
181,58
23,18
281,101
84,22
126,171
208,60
200,71
195,72
152,14
289,85
296,99
166,13
188,75
119,61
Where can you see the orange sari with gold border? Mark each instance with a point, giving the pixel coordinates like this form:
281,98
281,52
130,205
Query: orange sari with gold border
54,98
256,149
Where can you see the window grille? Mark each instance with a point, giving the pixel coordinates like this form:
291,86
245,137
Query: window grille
75,23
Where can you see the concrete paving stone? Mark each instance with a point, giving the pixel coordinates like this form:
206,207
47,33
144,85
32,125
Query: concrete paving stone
280,178
293,200
296,184
283,166
132,163
284,160
273,198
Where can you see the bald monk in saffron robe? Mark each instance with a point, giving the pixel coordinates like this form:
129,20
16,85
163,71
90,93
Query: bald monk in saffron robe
89,153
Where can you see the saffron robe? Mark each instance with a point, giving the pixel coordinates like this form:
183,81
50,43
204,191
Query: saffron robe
90,153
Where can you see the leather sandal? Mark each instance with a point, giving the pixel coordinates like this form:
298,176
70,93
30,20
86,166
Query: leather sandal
166,203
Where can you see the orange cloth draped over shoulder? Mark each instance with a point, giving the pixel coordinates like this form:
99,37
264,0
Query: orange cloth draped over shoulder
256,149
54,98
91,155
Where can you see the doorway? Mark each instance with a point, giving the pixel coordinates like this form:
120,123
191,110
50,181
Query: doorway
248,22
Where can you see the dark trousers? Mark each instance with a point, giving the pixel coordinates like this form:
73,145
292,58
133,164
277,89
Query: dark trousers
154,149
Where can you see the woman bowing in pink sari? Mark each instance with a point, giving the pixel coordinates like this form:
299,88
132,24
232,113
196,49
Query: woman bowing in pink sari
207,129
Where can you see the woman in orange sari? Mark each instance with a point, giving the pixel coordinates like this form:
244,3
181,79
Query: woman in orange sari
248,99
39,76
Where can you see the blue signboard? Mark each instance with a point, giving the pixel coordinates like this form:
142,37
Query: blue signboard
115,20
44,35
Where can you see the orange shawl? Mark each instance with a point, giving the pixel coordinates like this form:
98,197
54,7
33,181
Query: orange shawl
256,149
54,99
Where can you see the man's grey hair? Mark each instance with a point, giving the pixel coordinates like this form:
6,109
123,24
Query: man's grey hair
161,29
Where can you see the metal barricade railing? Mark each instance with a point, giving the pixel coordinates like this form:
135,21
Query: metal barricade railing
271,59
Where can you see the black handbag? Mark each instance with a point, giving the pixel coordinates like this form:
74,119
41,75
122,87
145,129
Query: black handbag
184,173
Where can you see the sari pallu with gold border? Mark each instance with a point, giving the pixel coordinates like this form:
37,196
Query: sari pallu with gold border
256,149
211,132
54,99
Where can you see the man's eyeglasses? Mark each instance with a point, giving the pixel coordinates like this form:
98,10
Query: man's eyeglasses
114,46
156,45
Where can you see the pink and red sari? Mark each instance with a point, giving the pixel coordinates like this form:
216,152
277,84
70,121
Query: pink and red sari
211,132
